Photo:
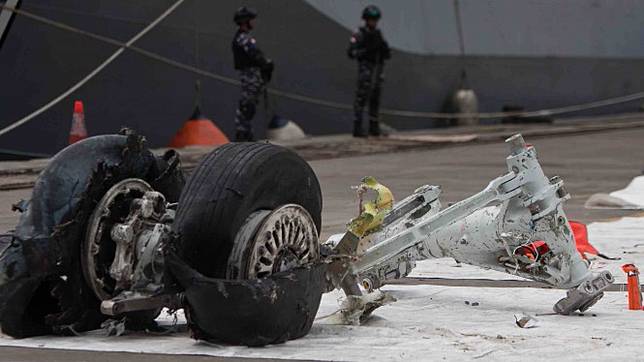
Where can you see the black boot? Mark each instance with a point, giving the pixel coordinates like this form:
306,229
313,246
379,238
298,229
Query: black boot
244,136
358,131
374,128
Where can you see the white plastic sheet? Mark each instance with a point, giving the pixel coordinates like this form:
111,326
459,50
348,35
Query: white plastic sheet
432,322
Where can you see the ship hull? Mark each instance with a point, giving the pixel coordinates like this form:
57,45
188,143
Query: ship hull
38,62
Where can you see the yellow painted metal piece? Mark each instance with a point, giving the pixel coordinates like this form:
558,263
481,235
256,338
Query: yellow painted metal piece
372,213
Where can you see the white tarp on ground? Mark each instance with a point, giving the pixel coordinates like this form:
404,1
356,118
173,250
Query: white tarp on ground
432,322
633,193
630,197
427,323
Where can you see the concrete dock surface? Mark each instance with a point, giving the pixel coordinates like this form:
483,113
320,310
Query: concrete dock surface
588,164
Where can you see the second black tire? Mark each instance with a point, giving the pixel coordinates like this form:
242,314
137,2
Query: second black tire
228,185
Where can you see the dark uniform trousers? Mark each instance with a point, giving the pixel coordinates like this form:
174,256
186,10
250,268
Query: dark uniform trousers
370,79
252,86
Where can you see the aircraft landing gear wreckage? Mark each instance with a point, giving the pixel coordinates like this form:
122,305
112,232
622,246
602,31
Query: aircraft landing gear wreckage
112,231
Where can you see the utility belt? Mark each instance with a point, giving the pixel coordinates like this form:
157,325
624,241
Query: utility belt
371,57
371,65
264,73
250,69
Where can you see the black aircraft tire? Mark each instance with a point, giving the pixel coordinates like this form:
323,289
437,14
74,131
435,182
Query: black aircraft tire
227,186
47,292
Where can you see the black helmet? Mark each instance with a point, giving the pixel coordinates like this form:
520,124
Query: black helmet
244,14
371,12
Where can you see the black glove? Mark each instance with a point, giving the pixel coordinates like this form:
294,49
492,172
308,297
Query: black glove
385,52
267,70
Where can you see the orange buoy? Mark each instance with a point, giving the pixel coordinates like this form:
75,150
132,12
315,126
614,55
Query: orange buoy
198,131
78,131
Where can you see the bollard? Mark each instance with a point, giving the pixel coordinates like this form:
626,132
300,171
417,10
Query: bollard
633,286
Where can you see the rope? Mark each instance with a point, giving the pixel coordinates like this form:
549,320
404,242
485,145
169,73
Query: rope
93,73
459,28
288,95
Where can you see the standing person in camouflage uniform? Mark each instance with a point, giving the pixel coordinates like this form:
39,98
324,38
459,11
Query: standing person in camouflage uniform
369,47
255,72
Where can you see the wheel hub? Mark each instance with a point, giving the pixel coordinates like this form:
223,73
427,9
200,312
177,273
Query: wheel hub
286,259
98,250
274,241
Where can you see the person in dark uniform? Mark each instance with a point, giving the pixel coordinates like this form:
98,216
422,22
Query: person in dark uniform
369,48
255,71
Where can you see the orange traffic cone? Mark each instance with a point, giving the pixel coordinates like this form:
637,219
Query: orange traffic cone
78,131
198,130
633,286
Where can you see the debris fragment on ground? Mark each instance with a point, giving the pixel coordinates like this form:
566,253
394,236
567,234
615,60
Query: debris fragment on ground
353,308
525,321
